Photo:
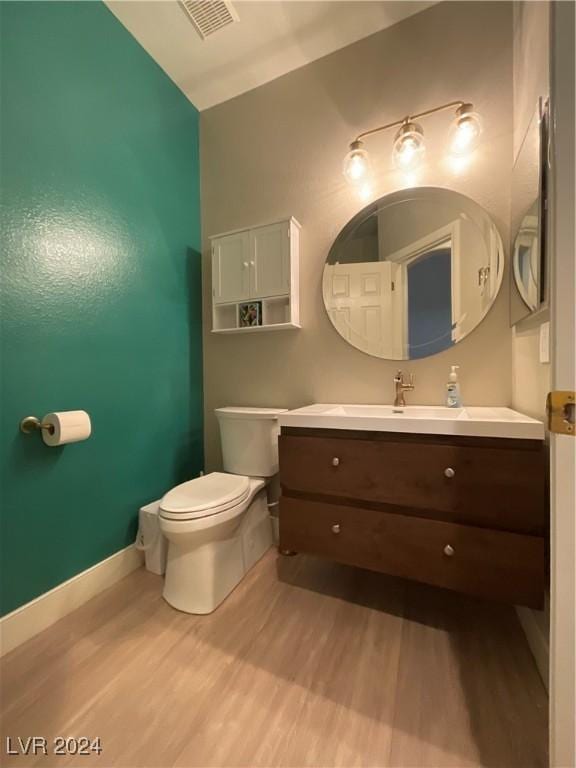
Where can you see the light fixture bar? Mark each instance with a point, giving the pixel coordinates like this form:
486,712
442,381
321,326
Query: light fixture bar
409,145
410,119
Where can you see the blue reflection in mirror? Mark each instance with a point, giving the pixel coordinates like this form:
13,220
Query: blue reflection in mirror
430,303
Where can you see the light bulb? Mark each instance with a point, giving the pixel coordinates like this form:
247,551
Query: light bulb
409,147
356,167
465,131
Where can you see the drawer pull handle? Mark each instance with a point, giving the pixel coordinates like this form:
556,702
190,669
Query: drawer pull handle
449,472
336,528
448,550
335,461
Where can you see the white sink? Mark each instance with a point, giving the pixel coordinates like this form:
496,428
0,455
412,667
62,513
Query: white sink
474,421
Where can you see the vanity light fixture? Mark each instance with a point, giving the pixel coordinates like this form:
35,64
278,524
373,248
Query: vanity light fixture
409,146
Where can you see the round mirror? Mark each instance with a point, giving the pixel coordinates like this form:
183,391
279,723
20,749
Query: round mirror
413,273
526,257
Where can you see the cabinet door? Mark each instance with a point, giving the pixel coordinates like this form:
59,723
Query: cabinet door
231,268
270,262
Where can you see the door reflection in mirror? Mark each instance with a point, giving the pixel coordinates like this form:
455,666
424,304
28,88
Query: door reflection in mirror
430,302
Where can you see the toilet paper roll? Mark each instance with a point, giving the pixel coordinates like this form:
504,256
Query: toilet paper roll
66,427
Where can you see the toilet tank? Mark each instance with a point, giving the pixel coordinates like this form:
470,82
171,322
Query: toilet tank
249,439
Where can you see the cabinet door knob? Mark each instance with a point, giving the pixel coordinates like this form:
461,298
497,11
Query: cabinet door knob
336,528
245,264
449,472
335,461
448,550
252,263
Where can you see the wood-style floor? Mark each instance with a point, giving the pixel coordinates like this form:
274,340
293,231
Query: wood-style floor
307,663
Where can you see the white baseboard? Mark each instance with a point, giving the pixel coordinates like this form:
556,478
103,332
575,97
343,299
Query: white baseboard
537,640
43,611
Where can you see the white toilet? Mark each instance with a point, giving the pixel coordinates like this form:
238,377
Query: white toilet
218,525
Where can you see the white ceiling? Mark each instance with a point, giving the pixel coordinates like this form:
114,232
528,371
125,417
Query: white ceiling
272,38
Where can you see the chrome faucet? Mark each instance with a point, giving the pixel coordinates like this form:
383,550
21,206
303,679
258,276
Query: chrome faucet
402,386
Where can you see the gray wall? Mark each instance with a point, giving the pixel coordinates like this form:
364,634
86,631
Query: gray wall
277,151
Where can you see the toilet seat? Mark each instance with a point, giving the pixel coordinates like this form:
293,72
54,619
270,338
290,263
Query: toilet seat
205,496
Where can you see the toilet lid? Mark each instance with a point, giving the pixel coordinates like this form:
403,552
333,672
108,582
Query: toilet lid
199,497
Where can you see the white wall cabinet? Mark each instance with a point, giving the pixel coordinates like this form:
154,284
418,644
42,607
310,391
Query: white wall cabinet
255,278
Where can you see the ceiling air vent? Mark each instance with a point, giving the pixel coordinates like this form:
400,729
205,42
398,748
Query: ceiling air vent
209,16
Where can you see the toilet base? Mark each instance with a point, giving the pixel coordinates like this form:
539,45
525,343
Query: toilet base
202,570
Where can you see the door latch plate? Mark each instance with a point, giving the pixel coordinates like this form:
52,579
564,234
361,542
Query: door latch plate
561,411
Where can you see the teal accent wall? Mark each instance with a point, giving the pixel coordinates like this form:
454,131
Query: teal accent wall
101,300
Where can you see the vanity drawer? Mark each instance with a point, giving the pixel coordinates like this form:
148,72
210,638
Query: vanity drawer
492,564
502,488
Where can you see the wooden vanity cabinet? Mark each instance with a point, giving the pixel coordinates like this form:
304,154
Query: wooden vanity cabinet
468,514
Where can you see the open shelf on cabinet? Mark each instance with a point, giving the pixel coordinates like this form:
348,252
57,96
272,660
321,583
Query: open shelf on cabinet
259,328
274,315
276,310
225,317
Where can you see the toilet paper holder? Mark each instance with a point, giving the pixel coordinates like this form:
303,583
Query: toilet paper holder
30,424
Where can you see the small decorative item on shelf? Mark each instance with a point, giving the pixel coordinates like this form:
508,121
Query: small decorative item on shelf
250,314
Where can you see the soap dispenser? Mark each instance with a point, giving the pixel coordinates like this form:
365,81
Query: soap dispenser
453,396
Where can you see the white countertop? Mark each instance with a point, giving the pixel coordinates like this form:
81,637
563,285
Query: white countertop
471,421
